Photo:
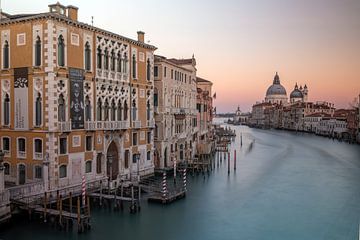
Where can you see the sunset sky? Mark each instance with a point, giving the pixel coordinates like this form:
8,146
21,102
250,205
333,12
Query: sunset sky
240,44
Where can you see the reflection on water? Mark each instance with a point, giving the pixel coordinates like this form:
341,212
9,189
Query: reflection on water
286,186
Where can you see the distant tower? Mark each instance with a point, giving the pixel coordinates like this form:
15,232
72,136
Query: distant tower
305,93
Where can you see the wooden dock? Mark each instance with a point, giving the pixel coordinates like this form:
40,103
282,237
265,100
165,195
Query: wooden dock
168,199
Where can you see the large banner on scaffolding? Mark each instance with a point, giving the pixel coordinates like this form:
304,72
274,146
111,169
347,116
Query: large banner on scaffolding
76,77
21,98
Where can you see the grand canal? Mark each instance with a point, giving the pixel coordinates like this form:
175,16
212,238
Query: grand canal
287,186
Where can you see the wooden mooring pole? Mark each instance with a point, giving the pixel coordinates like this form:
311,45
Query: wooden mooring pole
228,162
45,206
235,160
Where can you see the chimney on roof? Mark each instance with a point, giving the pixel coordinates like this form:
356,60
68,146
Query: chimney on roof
72,12
141,36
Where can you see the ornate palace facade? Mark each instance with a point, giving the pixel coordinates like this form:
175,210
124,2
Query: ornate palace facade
76,100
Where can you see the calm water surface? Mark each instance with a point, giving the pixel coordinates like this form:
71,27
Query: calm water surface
287,186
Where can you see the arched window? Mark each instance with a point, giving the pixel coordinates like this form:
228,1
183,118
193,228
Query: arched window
38,51
87,109
127,156
106,110
106,59
119,62
134,110
38,110
125,63
63,171
126,109
61,51
148,70
61,109
113,110
134,66
98,163
156,131
21,145
6,55
87,57
112,60
7,169
99,59
6,110
148,110
119,111
99,110
38,146
156,102
88,167
38,172
181,152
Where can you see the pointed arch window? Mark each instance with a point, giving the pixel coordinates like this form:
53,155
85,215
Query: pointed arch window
148,112
106,59
134,66
106,110
99,110
113,60
148,70
99,58
61,108
87,109
119,62
119,111
6,55
134,110
125,61
126,110
6,110
38,52
113,110
38,110
61,51
87,57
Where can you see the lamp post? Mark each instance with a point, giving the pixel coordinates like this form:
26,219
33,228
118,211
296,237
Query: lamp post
2,180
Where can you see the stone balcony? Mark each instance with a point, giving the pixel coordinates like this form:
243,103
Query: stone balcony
64,126
38,156
136,124
21,154
150,123
106,125
113,75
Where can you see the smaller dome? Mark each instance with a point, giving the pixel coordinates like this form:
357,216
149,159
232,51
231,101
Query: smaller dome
296,94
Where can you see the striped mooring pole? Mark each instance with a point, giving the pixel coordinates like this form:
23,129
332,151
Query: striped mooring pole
83,190
164,187
184,178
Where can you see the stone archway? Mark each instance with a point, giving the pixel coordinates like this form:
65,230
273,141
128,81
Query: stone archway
112,161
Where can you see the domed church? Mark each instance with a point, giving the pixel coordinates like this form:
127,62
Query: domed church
299,94
276,93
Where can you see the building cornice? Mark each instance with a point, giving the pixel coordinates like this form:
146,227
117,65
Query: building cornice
60,18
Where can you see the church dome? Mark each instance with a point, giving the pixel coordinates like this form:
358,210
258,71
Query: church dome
296,94
276,88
